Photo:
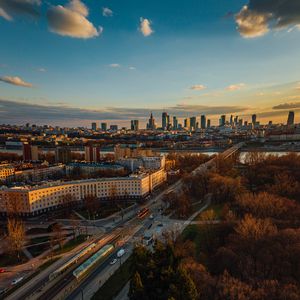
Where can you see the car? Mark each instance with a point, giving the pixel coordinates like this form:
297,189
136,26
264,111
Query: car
113,261
160,225
151,217
2,270
121,252
17,280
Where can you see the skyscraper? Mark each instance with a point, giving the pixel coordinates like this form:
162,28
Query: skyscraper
151,123
193,123
254,119
291,118
104,126
187,123
164,120
208,123
175,123
222,120
94,126
231,120
135,125
203,122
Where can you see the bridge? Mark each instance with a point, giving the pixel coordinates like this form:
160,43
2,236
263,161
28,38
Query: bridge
224,155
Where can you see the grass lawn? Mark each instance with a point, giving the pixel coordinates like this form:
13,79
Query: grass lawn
40,239
217,208
72,244
38,249
116,282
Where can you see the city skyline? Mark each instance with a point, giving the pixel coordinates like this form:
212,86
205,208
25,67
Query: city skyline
125,61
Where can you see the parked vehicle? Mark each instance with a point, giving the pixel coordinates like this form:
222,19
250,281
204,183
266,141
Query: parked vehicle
2,270
113,261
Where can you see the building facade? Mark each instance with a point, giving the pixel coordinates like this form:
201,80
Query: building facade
29,201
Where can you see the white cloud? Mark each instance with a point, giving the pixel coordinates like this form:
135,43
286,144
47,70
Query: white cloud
15,81
198,87
235,87
71,20
132,68
106,12
41,70
115,65
145,27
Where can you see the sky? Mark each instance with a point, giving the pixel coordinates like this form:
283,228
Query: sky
73,62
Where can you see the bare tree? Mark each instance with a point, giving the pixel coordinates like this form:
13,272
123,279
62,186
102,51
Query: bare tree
57,234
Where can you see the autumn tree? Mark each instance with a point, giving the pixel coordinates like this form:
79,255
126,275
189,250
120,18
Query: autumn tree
15,236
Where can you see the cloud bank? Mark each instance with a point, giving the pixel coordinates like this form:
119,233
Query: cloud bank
71,20
287,106
235,87
260,16
15,81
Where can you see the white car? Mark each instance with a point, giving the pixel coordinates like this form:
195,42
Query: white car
121,252
151,217
17,280
113,261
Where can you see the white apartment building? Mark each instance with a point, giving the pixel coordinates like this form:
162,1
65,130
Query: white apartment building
39,199
147,162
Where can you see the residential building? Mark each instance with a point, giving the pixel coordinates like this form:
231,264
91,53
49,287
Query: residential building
92,153
34,200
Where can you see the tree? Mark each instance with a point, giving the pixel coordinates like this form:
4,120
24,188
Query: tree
136,289
252,229
15,236
92,204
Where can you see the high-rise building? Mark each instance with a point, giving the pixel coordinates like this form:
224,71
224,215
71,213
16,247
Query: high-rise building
30,152
135,125
92,153
254,117
151,123
94,126
203,122
175,123
113,127
231,120
208,123
165,119
193,123
291,118
63,155
222,120
104,126
187,123
236,120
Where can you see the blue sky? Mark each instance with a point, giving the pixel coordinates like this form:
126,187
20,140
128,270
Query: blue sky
126,58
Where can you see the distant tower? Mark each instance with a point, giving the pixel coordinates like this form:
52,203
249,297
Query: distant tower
164,120
175,123
208,123
203,122
254,117
291,118
222,120
134,125
94,126
104,126
193,123
151,123
30,152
